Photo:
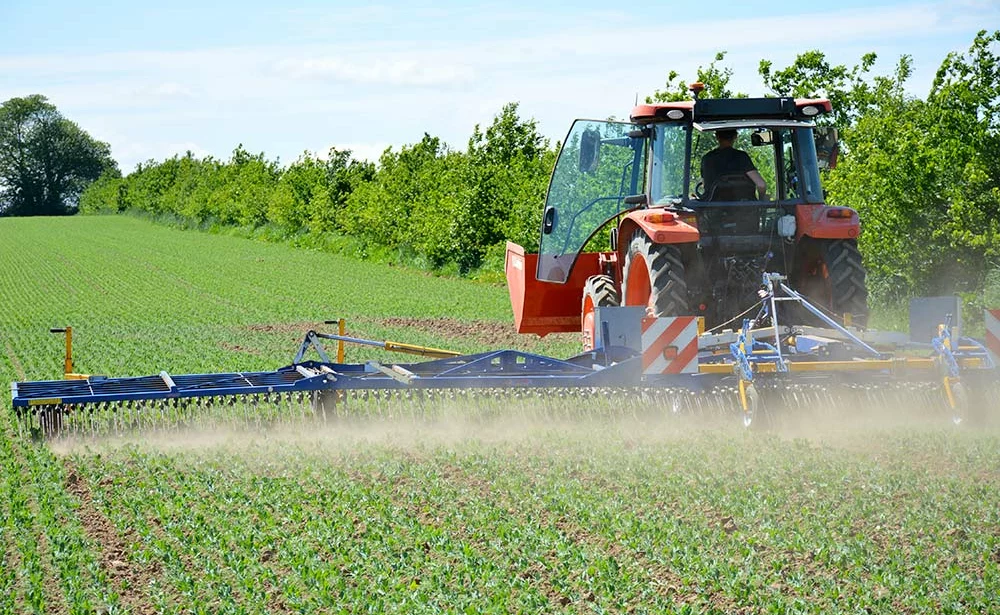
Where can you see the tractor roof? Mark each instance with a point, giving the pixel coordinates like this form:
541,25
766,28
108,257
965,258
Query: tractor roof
717,109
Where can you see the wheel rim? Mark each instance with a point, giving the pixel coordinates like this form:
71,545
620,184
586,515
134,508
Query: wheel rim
587,325
638,289
816,282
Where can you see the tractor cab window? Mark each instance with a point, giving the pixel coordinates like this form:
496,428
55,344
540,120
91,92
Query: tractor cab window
783,152
733,184
599,165
809,188
667,163
800,170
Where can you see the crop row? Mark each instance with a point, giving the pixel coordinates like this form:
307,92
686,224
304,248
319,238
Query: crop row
48,562
602,523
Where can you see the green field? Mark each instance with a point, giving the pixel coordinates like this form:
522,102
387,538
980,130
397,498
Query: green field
577,506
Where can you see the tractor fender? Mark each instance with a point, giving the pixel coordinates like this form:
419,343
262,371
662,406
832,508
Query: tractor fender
659,225
825,222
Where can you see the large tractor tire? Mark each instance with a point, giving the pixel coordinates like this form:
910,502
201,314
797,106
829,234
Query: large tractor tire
833,276
654,277
599,291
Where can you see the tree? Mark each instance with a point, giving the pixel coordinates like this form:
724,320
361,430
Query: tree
924,175
811,76
714,77
507,174
46,160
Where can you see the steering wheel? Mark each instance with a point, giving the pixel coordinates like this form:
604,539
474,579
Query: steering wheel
699,189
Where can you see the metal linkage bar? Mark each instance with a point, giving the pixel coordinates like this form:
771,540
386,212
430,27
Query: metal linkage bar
770,278
312,340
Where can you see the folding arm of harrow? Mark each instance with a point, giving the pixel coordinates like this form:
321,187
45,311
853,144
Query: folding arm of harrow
752,356
312,340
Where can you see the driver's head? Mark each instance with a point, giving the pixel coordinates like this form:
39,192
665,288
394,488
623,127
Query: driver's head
726,137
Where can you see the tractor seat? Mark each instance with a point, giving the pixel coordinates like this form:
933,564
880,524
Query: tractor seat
733,188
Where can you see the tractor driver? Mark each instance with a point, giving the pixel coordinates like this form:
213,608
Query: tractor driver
739,177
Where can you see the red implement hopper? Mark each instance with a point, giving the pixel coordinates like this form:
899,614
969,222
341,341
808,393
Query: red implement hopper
543,307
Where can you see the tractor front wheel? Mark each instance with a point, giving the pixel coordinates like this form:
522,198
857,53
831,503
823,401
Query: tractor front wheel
654,277
599,291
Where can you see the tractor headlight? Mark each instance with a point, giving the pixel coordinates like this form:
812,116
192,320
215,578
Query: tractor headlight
786,226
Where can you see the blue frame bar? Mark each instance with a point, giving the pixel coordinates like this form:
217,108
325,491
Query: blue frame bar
612,367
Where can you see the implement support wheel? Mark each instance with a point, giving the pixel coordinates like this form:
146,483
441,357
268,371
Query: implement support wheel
654,277
958,402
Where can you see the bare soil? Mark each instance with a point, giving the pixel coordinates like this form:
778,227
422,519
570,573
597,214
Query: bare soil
298,328
490,333
127,578
497,334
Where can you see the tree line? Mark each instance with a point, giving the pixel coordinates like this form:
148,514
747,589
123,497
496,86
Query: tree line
428,202
924,172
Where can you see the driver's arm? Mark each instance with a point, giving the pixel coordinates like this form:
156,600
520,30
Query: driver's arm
759,182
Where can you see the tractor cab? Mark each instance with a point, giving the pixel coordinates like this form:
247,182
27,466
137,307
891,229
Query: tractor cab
691,236
607,168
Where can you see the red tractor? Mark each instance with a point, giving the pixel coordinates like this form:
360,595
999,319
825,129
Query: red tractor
684,244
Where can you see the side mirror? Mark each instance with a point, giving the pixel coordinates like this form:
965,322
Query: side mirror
762,137
590,150
827,146
548,220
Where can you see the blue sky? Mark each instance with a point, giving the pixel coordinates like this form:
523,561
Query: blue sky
158,79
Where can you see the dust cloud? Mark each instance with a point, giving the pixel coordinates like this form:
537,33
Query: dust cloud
846,421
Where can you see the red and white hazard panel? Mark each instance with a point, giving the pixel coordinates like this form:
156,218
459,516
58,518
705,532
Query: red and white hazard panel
670,345
992,332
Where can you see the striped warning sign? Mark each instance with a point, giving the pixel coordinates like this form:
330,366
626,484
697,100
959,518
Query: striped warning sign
670,345
993,332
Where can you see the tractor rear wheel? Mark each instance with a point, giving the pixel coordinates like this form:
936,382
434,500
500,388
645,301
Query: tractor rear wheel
654,277
599,291
833,275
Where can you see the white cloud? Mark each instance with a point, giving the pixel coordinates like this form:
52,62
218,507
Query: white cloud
386,70
367,94
171,90
182,148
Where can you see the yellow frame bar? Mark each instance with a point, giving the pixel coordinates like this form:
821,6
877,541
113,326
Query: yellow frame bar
900,364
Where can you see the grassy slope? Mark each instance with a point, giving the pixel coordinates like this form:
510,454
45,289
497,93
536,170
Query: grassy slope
617,517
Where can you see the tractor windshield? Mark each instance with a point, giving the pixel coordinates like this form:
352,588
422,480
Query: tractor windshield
599,165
